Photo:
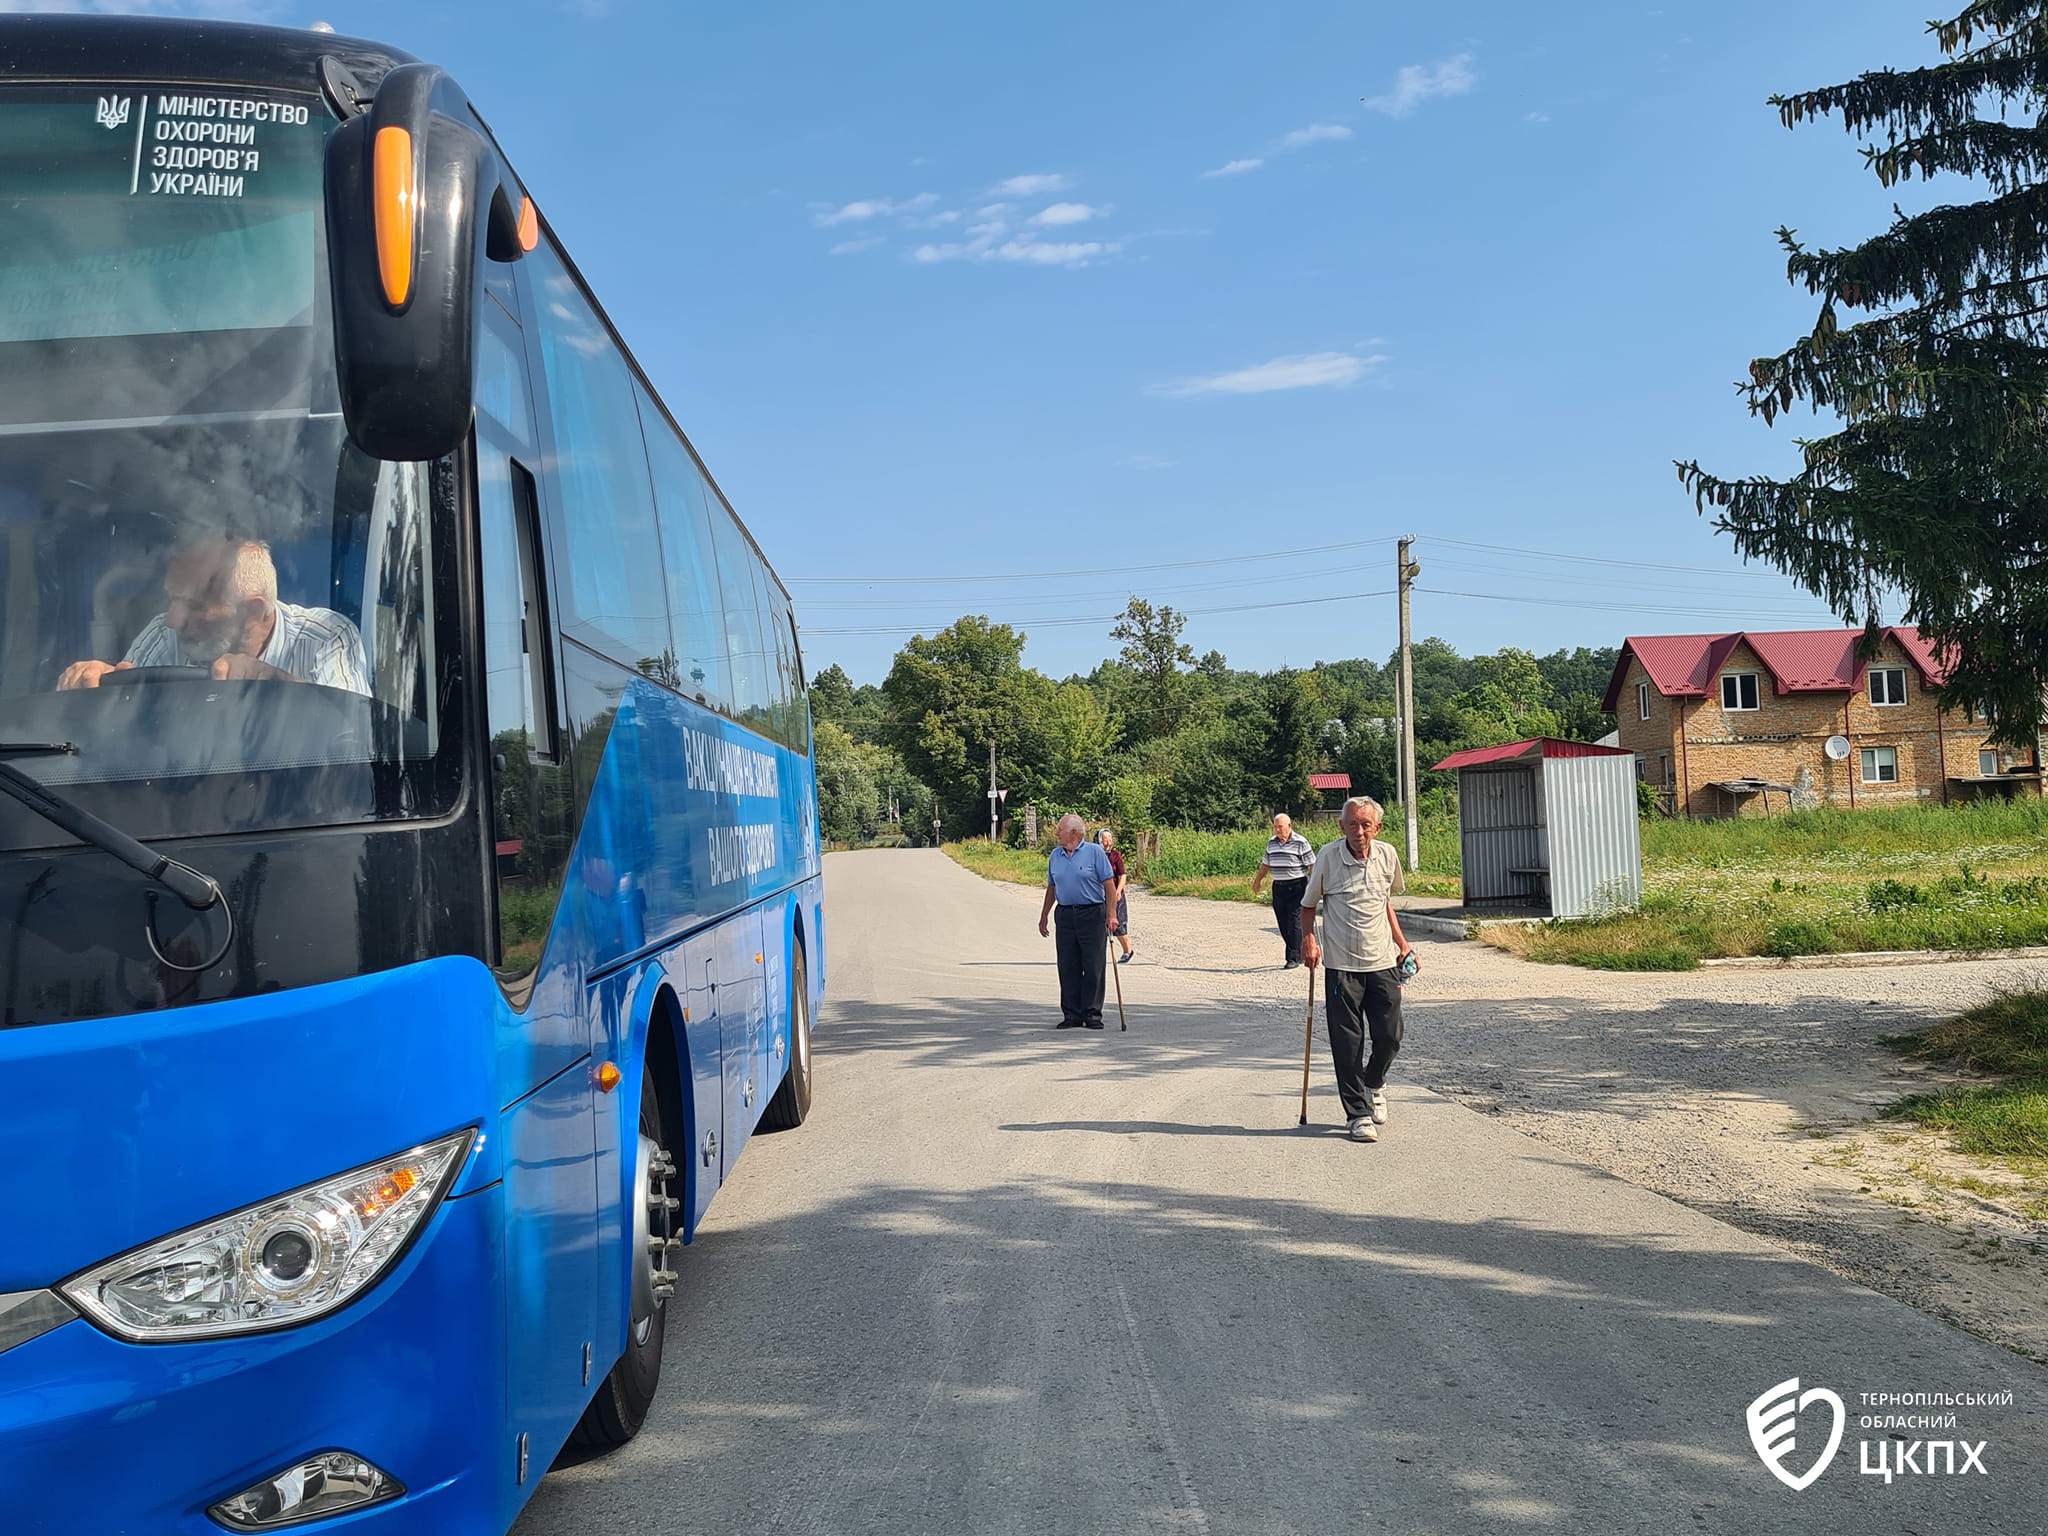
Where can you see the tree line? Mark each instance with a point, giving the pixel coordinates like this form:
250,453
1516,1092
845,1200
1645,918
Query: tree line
1156,736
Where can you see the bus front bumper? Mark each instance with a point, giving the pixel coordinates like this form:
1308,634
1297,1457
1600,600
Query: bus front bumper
99,1437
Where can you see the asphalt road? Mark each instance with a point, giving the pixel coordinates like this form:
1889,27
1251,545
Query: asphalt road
1009,1279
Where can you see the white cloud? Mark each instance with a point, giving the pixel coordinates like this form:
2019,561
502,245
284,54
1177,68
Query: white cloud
1311,370
1235,168
1067,213
1315,133
1033,185
995,231
1049,253
1536,117
988,246
1417,83
875,207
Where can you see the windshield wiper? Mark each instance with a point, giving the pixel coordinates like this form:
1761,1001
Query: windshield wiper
197,891
35,748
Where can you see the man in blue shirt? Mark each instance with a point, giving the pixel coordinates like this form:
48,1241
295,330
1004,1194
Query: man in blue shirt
1076,873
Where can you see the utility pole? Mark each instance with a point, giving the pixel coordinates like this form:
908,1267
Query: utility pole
992,801
1407,570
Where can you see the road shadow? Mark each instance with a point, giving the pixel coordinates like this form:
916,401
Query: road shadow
1076,1356
1171,1128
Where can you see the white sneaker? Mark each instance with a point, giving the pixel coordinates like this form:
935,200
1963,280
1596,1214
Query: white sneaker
1379,1107
1362,1129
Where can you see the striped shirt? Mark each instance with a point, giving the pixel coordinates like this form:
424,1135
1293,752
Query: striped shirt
315,644
1288,858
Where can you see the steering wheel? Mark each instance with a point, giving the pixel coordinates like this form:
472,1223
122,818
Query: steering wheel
126,676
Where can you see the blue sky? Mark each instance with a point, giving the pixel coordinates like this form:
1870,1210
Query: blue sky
969,293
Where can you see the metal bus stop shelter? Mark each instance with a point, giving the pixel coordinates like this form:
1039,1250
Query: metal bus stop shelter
1548,825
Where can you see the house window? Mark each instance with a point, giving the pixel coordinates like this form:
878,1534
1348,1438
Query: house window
1738,690
1987,765
1887,685
1642,770
1664,768
1880,765
1642,701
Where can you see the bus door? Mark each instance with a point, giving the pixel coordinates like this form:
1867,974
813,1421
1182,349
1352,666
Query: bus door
742,1033
706,1073
550,1195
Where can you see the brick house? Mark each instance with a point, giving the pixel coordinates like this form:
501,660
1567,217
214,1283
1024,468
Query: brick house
1739,724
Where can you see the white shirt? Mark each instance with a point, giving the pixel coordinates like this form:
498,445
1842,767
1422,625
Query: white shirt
317,644
1350,895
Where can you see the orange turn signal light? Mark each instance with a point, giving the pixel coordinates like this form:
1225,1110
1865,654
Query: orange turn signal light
529,224
394,197
607,1078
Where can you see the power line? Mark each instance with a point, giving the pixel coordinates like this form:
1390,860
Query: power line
1057,597
1104,618
1118,570
1633,565
1597,605
1601,579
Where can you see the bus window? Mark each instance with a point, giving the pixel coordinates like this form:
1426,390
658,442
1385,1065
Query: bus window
753,689
615,599
796,731
696,616
178,499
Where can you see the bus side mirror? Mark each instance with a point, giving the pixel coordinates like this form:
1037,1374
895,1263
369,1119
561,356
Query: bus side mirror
402,182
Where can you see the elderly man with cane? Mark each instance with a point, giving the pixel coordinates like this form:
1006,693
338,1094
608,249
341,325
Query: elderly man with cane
1077,879
1353,884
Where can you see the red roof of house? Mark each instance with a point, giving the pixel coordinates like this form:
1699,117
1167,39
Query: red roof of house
1535,746
1799,660
1329,781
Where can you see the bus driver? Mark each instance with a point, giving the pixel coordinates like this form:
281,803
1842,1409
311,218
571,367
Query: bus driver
224,614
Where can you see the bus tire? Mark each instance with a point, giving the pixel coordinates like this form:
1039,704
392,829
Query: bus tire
654,1234
791,1105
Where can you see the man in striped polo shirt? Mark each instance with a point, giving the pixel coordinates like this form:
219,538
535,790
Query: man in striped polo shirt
1287,862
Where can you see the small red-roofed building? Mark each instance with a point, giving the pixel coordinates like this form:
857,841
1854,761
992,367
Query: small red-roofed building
1754,721
1332,790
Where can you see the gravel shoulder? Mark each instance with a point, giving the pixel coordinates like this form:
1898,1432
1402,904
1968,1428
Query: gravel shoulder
1750,1096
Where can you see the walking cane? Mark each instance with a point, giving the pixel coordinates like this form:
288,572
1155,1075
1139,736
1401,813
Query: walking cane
1117,976
1308,1039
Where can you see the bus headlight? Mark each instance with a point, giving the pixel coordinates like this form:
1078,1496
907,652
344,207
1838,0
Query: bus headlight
272,1265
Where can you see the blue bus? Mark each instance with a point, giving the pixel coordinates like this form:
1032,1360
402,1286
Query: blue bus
409,883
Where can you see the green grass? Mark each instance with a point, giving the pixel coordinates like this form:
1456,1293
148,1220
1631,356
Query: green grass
1219,865
995,861
2008,1036
1810,883
1820,882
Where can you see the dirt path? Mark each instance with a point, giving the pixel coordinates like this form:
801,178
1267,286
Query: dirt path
1750,1096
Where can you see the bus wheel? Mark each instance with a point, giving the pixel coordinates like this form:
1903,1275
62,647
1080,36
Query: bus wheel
620,1407
792,1101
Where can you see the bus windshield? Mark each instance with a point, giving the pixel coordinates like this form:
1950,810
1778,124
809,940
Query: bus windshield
204,587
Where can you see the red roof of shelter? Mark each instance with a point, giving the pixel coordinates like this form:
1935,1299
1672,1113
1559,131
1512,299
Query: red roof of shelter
1535,746
1329,781
1799,660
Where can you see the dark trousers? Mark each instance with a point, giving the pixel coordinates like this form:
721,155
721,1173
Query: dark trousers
1362,1002
1287,913
1082,943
